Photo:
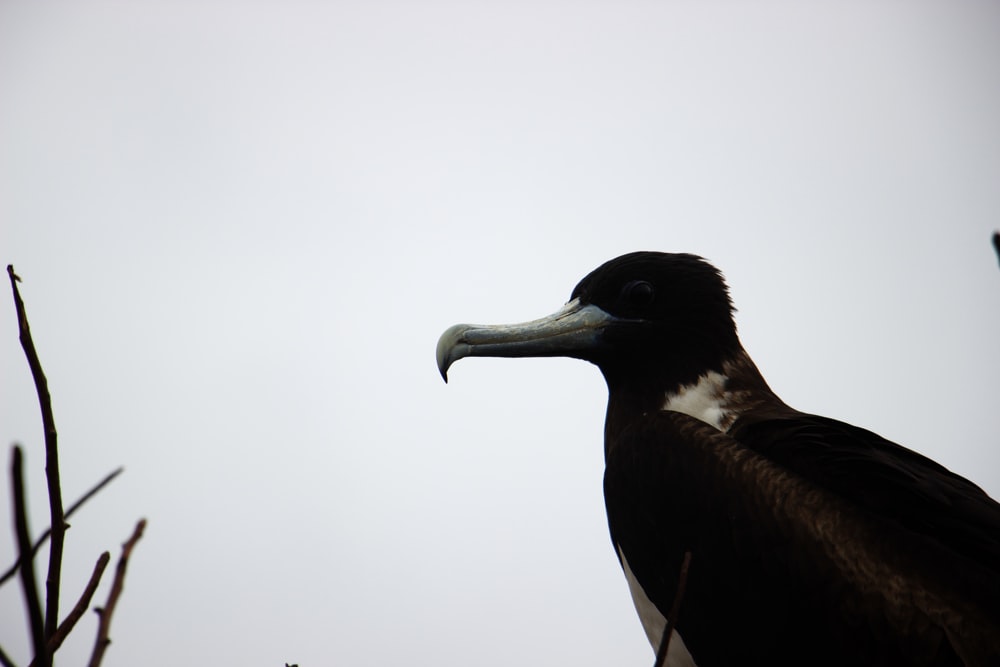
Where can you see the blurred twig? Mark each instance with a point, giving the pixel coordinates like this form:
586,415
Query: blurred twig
996,243
47,633
57,520
105,613
80,607
69,512
675,609
27,568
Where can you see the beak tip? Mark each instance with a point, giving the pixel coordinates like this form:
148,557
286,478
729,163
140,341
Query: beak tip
449,349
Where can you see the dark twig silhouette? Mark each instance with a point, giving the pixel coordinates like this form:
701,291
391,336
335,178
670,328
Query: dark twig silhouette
5,660
675,609
24,549
47,633
57,520
996,243
12,570
105,613
56,640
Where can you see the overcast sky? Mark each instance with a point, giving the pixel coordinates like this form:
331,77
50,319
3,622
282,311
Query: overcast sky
243,225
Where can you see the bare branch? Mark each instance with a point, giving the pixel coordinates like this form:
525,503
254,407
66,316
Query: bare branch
675,609
24,549
81,606
57,519
104,624
69,512
996,243
5,660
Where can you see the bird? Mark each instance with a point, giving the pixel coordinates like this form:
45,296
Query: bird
756,533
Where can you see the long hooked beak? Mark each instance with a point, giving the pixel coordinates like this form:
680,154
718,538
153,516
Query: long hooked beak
568,332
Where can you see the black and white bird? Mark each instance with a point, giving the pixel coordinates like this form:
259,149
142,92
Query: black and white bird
811,541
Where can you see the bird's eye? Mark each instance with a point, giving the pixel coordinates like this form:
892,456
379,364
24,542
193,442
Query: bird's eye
639,293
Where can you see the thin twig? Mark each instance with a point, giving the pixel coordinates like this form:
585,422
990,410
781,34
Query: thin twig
5,660
57,520
24,549
81,606
69,512
104,624
996,243
675,609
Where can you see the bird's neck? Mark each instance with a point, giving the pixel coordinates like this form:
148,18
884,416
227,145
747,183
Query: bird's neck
717,397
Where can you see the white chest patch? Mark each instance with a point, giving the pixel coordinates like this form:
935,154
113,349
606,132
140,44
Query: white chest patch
653,622
704,400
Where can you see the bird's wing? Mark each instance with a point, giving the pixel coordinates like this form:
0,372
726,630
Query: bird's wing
780,565
899,486
674,484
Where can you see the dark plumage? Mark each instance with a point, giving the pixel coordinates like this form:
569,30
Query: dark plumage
813,542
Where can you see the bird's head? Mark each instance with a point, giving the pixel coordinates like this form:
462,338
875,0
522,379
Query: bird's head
645,316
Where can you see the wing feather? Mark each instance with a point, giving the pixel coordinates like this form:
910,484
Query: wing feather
787,569
887,480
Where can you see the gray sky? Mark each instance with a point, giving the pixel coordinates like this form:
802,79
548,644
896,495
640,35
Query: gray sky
242,227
